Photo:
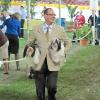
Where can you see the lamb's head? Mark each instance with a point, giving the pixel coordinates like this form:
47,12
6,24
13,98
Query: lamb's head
57,44
32,51
57,50
29,51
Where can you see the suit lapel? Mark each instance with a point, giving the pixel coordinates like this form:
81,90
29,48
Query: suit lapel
41,33
40,30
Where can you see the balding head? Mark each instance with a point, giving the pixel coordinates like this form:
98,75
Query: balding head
49,15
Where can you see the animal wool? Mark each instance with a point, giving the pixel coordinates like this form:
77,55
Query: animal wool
57,50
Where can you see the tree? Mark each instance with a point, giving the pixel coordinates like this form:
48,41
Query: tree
32,5
5,5
71,9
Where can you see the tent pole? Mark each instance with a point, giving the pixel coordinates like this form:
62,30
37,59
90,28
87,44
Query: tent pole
60,12
28,19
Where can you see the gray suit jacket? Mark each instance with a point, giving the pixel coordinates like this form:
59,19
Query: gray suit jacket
44,43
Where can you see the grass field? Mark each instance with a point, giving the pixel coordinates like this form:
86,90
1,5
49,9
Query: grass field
79,78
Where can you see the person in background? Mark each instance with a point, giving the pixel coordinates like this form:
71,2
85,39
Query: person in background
91,18
79,20
98,27
92,23
46,71
23,17
13,33
3,16
4,43
6,15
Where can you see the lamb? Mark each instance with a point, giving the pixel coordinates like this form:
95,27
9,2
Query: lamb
57,50
32,53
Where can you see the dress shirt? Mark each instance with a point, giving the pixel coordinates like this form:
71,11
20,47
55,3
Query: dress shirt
45,27
23,14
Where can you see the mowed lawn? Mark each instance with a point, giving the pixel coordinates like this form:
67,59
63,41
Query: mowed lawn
79,78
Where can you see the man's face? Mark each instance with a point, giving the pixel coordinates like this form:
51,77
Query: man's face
49,16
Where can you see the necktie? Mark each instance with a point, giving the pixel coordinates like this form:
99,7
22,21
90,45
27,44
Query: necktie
47,32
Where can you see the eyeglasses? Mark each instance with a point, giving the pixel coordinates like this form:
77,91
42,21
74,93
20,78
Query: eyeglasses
51,14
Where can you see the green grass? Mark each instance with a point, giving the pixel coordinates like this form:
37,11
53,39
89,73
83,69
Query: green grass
79,78
22,42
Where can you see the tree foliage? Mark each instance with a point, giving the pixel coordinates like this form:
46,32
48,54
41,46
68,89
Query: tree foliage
5,5
71,9
33,3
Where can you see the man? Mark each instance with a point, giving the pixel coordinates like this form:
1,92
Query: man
23,17
92,22
91,18
46,71
4,49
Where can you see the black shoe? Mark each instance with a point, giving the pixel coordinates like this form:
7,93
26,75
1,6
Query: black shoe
6,73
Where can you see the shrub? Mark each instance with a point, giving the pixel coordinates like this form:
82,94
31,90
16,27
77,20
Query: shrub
84,32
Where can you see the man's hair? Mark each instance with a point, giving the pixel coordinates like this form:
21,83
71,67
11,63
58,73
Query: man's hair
22,6
46,10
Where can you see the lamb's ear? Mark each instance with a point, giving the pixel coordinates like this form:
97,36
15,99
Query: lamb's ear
25,50
59,45
50,47
33,51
